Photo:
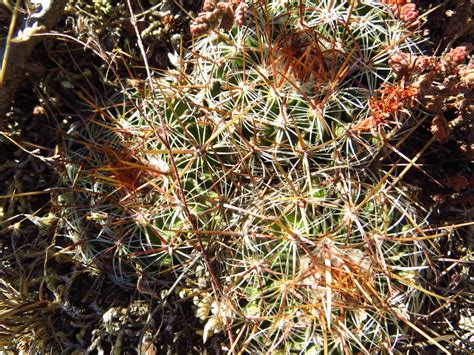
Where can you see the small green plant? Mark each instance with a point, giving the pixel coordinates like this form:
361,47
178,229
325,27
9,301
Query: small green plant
244,180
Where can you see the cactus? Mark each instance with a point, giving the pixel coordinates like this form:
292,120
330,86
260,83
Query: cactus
299,76
243,180
125,207
333,268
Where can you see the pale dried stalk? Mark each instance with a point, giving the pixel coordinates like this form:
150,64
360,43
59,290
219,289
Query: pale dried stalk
21,45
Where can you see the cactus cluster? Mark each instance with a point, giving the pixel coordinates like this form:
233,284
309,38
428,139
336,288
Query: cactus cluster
241,180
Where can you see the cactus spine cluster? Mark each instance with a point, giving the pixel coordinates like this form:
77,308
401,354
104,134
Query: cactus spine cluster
240,180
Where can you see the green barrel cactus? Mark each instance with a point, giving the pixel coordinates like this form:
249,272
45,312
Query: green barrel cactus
328,269
242,180
296,79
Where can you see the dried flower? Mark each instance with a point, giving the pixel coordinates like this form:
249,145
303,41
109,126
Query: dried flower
450,61
392,99
405,10
407,64
219,13
457,55
241,13
408,13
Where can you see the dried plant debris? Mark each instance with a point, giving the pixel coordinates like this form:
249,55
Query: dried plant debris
444,85
220,14
163,26
48,303
16,49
